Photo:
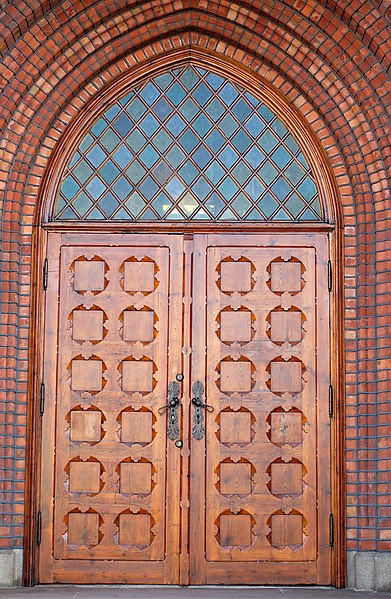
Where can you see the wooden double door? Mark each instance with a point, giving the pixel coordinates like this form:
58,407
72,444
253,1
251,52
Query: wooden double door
186,434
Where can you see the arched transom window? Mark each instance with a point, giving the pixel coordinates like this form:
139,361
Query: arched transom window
188,144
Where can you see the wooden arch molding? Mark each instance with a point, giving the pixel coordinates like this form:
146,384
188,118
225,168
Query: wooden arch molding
331,204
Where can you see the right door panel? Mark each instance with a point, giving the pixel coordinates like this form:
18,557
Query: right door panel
263,467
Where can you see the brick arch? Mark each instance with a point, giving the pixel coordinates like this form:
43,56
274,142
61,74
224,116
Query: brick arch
328,62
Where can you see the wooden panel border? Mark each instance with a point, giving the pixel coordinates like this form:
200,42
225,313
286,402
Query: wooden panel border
331,204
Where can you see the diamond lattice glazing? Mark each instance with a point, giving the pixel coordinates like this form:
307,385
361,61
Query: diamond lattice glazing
188,145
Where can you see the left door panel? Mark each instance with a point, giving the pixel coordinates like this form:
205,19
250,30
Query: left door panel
110,478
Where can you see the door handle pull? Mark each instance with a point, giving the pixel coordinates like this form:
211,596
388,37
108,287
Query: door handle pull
172,405
198,429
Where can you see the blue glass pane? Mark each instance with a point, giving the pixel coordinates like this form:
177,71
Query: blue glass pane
215,141
282,215
96,188
175,188
307,189
279,128
281,157
241,172
188,204
281,189
70,187
122,188
241,141
228,125
315,205
162,172
109,172
135,204
161,204
255,126
75,158
149,156
241,205
111,113
268,173
294,173
149,93
148,215
308,215
82,171
122,214
254,188
255,215
291,144
202,157
266,113
96,156
202,94
109,204
188,172
86,143
215,109
96,214
176,93
70,214
202,125
214,204
189,109
123,101
163,81
149,125
228,188
189,79
123,125
295,205
175,125
228,94
175,157
82,204
228,215
267,141
135,172
228,157
303,160
122,156
136,109
241,110
162,141
148,188
162,109
215,173
255,157
254,101
202,188
99,127
268,205
214,81
188,141
110,140
136,141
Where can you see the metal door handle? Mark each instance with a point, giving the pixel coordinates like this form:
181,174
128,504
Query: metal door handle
198,429
172,405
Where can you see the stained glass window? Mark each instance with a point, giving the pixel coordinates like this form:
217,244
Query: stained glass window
188,145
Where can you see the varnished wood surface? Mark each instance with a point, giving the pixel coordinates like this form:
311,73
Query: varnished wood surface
247,315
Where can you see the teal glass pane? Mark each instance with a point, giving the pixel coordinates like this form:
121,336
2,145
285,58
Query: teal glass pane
188,144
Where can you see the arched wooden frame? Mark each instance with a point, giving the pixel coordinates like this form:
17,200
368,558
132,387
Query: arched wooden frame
332,224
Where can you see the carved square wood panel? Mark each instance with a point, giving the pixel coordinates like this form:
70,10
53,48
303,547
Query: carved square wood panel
136,427
286,428
83,529
135,478
87,325
287,530
235,427
235,479
137,375
84,477
138,325
85,426
286,276
139,276
286,479
235,376
235,326
286,377
89,275
86,375
286,326
235,530
235,276
135,529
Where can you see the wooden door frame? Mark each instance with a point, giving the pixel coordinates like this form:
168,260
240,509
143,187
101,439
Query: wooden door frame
33,466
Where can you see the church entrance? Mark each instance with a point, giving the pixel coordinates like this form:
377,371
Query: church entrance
186,428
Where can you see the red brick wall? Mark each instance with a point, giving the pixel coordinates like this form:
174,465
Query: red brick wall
329,58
